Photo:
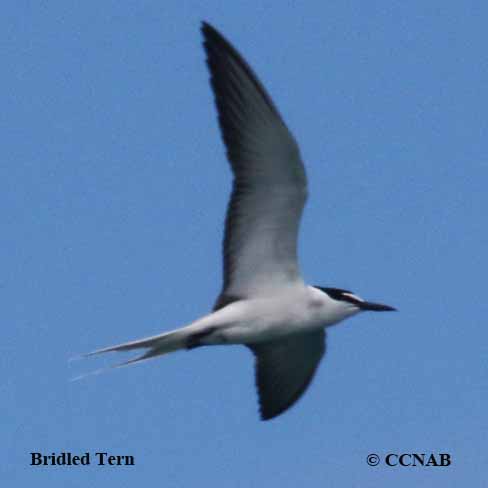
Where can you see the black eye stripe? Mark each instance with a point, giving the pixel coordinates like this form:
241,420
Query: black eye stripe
339,294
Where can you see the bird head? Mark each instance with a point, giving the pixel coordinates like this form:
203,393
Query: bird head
356,301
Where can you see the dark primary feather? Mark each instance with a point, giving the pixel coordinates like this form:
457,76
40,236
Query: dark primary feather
285,369
226,65
268,175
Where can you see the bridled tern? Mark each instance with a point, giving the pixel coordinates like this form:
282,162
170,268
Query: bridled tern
264,304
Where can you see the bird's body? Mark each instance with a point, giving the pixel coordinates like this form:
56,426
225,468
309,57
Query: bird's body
264,304
294,310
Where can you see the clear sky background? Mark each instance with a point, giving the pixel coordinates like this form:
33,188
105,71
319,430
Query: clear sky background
113,187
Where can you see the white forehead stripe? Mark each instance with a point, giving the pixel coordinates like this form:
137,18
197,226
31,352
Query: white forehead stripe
359,299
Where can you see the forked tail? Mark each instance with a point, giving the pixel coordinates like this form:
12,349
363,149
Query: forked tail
185,338
156,345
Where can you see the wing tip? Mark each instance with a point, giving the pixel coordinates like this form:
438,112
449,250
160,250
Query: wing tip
209,32
266,413
265,416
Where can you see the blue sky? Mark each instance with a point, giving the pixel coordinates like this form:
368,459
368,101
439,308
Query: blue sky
113,186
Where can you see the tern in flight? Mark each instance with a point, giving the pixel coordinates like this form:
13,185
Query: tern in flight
264,304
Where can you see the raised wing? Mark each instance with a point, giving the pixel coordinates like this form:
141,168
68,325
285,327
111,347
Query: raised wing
284,370
270,186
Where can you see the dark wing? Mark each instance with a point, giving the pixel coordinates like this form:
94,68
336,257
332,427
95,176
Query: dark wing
270,186
284,370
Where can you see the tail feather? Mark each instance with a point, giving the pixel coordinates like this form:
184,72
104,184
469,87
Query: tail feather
156,345
184,338
146,355
165,340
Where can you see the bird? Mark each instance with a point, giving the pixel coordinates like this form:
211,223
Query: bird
265,303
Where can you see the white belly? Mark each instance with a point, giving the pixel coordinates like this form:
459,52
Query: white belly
259,320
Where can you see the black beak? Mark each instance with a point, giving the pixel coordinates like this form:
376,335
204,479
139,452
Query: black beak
375,307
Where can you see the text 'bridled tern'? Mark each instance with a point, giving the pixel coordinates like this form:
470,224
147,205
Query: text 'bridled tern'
264,304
